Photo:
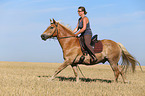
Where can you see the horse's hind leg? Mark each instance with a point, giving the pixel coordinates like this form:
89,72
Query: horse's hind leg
123,75
75,72
116,70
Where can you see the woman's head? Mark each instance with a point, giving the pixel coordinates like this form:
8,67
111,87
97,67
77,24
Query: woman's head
82,9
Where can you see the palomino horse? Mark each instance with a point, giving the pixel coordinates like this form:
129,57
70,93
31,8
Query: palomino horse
72,53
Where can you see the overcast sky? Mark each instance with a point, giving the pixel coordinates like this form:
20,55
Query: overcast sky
23,21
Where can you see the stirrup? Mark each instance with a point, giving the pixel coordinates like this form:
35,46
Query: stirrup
82,58
93,60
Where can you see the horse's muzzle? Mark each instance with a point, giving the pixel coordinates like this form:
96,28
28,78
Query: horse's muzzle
44,36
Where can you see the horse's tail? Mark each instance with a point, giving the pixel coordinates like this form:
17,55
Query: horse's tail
127,58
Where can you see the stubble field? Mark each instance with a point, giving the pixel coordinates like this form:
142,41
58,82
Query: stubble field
31,79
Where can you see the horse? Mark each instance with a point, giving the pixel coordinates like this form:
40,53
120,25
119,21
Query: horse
70,44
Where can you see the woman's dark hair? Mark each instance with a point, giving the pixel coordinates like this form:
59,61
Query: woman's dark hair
83,9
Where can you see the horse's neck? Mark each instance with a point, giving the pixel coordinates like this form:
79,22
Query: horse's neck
69,43
64,36
69,46
64,32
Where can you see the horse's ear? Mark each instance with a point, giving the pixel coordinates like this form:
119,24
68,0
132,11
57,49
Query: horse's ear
54,21
51,21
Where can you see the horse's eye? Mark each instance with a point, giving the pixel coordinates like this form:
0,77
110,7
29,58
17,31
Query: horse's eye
51,27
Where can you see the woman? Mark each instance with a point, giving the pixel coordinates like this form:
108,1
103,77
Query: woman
85,31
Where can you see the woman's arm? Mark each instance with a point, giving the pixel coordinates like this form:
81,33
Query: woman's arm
85,21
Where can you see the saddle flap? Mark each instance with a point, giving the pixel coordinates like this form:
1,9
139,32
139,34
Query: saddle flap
98,47
96,44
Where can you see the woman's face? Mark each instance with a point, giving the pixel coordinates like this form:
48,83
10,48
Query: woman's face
80,12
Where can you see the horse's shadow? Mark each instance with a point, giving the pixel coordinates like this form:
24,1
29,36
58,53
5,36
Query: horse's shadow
61,78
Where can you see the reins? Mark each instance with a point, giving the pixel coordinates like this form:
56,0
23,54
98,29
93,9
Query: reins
66,37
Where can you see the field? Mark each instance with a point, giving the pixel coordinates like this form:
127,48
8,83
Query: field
31,79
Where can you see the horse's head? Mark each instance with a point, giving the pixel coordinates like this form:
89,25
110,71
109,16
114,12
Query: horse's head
51,31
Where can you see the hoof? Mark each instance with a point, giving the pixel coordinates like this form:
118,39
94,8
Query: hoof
127,82
50,79
77,81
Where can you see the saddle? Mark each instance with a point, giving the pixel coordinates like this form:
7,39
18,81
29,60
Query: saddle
95,43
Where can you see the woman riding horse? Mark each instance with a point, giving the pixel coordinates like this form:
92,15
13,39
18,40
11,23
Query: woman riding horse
85,31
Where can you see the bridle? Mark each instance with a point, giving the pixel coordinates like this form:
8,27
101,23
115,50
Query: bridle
56,25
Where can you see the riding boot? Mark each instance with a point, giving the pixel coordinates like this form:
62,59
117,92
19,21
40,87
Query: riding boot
87,39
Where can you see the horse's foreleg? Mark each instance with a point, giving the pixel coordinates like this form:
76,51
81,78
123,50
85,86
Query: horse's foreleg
76,72
64,65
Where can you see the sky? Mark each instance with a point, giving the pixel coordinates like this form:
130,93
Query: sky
23,21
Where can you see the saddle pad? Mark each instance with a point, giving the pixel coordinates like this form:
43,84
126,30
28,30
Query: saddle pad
98,47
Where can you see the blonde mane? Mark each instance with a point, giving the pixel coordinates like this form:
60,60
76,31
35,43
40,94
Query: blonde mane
66,27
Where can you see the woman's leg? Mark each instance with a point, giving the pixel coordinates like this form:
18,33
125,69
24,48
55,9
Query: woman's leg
87,39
